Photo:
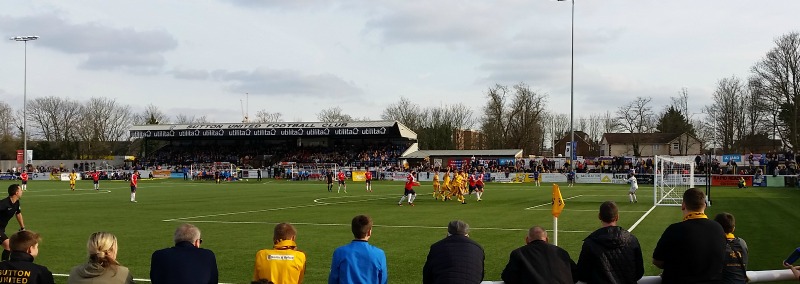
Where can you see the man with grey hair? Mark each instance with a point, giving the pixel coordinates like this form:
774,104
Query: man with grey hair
455,259
539,262
186,262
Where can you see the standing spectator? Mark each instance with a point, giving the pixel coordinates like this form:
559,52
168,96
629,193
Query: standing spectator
10,207
735,271
539,262
692,251
102,266
20,268
455,259
283,264
358,261
186,262
610,254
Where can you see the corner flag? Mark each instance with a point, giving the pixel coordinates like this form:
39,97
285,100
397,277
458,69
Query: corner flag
558,202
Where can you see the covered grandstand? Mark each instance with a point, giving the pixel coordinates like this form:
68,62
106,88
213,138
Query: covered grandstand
357,143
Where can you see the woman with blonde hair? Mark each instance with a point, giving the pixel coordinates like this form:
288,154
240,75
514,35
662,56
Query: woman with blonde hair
102,266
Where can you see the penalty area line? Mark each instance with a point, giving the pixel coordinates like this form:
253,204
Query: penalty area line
551,203
641,219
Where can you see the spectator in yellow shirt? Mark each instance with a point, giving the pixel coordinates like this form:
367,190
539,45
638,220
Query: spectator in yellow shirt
283,264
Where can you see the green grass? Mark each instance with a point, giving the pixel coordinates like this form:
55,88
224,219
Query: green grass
237,220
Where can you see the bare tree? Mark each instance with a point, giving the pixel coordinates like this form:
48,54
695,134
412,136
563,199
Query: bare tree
151,115
263,116
333,114
728,113
405,111
778,77
185,119
518,123
6,120
55,120
637,118
8,143
103,121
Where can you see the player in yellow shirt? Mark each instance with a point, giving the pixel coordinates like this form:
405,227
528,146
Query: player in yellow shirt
458,184
283,264
436,185
72,178
446,185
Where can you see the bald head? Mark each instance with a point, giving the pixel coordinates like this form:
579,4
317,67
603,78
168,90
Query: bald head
537,233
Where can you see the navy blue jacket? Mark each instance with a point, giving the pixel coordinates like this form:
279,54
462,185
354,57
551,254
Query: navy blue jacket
183,264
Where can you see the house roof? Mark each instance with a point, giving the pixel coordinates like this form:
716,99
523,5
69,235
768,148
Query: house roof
644,138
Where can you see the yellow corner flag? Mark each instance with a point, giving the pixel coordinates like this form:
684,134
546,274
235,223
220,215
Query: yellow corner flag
558,201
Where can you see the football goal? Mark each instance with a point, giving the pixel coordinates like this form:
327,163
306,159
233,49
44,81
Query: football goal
671,177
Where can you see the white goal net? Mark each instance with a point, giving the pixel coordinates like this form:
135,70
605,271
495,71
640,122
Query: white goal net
671,177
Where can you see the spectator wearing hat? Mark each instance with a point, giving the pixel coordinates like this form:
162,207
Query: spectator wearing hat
454,259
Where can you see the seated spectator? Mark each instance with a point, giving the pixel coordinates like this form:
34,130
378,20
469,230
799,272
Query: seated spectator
610,254
358,261
736,252
539,262
186,262
283,264
24,248
455,259
102,266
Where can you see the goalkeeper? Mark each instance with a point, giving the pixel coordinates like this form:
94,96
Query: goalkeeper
634,187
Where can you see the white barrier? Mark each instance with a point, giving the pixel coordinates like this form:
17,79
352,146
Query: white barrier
760,276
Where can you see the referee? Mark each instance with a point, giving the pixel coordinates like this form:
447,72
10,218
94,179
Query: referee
9,207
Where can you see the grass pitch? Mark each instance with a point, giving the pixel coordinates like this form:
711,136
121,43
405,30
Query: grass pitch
237,219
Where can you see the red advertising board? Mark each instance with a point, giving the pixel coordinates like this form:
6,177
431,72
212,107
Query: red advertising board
20,156
730,180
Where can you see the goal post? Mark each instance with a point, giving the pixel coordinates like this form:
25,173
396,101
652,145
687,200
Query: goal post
671,177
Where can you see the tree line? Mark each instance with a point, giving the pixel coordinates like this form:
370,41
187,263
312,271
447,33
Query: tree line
765,106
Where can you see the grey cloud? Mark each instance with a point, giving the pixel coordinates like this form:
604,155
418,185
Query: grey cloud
105,47
191,74
270,82
280,4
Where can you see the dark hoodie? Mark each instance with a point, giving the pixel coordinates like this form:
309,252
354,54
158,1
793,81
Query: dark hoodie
610,255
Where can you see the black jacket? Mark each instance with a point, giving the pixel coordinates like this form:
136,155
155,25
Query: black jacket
184,263
21,269
539,262
610,255
455,259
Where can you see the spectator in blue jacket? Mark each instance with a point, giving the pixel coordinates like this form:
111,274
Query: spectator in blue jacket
358,261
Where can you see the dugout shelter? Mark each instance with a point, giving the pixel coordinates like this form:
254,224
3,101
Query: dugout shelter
265,143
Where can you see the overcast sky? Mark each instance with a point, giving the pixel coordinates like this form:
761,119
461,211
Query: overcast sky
297,57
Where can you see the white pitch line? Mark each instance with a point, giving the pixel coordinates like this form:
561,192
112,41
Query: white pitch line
641,219
587,210
72,194
270,209
550,203
374,225
134,279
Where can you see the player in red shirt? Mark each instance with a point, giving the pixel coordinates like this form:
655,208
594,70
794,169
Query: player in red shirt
134,185
24,177
409,192
479,186
341,178
96,180
472,183
368,178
